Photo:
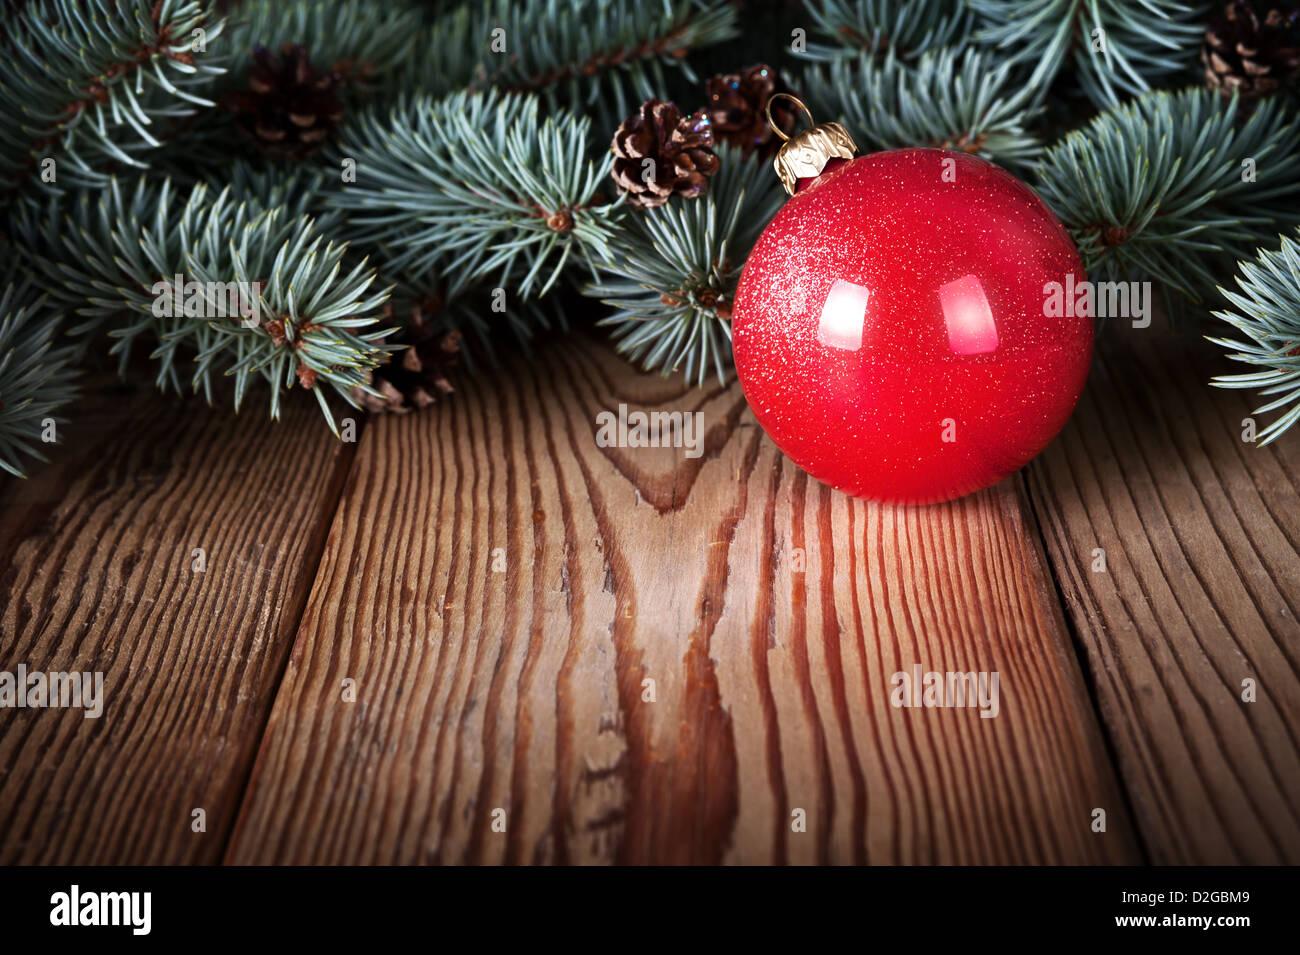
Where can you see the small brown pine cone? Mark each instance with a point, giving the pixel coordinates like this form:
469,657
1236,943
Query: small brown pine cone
1252,53
737,109
416,376
680,150
289,109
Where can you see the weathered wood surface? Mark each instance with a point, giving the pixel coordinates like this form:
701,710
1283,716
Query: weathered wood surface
96,557
1200,591
522,688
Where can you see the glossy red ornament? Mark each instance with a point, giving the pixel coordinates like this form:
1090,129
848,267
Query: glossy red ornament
891,332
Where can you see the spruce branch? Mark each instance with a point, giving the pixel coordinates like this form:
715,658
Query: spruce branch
450,51
604,56
672,271
271,299
1163,186
362,41
313,56
1142,41
87,82
905,28
476,187
475,312
946,98
36,378
264,184
1267,313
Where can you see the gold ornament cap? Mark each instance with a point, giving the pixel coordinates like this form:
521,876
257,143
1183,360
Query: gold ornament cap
804,155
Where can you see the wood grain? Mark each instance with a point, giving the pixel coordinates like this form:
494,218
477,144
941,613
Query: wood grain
523,690
96,574
1201,534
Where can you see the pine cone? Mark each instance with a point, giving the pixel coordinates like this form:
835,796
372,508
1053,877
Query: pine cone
1254,56
737,104
416,376
681,148
289,109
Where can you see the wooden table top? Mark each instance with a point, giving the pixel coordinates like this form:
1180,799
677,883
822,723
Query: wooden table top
473,635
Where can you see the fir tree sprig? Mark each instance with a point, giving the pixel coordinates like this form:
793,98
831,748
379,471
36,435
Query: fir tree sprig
363,41
89,82
1118,48
451,49
367,51
1165,185
36,378
477,312
476,187
272,299
947,98
600,56
672,271
1266,312
473,128
905,28
297,188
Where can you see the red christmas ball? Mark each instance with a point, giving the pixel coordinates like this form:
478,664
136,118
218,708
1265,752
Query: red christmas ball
892,327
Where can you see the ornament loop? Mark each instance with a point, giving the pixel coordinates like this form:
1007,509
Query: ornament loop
805,155
797,102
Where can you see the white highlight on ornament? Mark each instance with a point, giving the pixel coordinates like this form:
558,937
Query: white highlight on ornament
843,316
969,318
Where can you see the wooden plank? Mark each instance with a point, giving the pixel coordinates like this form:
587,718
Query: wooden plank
96,558
524,689
1199,592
